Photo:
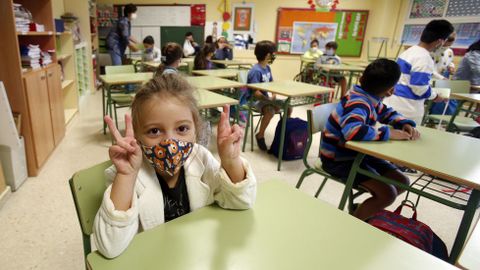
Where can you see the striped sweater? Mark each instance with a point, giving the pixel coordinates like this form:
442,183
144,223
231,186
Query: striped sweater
354,119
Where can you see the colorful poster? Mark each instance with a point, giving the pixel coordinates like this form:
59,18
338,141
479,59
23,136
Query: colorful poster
412,33
243,19
427,8
467,33
304,32
462,8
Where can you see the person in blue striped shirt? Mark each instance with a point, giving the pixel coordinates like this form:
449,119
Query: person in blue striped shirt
355,119
417,68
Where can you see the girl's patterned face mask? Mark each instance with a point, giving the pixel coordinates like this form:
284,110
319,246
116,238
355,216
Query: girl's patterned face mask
168,156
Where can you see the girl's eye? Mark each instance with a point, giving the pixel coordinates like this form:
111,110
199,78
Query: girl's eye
154,132
183,129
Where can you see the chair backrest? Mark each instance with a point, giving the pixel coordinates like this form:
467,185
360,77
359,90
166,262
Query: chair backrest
87,187
119,69
318,117
459,87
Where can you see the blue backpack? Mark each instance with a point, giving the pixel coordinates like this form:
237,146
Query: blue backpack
296,135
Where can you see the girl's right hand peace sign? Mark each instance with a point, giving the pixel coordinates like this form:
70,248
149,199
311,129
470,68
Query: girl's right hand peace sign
125,154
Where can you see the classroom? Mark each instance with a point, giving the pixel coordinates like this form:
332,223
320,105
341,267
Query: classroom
235,134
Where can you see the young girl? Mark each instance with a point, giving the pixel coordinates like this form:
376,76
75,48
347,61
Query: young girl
171,56
160,173
202,59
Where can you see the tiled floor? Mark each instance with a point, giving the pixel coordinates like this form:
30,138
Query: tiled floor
39,227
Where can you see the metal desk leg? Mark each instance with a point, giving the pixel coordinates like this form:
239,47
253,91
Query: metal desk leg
450,126
282,132
351,178
350,77
465,225
106,87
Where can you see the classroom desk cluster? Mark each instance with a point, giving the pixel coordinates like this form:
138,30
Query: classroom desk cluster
255,238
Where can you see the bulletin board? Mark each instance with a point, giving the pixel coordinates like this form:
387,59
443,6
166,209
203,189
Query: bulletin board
296,27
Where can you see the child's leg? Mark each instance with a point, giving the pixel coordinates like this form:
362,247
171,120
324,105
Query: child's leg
383,194
268,114
343,86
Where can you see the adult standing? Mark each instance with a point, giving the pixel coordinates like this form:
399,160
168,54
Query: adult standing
119,37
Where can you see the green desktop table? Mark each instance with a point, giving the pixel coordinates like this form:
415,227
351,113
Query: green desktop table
286,229
445,155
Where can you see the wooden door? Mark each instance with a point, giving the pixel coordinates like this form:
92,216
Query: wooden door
39,110
55,94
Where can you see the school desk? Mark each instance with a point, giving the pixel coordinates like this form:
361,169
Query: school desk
329,70
208,99
462,99
286,229
358,64
118,79
469,258
445,155
226,73
235,63
213,83
294,91
153,64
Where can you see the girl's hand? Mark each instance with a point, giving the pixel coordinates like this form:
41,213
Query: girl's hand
412,132
229,138
125,154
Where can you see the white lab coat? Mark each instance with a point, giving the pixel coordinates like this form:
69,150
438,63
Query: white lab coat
206,183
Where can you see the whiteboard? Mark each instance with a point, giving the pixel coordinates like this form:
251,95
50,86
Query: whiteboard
162,16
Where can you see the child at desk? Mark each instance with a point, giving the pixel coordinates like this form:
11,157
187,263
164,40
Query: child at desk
203,57
150,51
354,119
159,173
417,68
224,51
314,52
261,72
171,57
330,57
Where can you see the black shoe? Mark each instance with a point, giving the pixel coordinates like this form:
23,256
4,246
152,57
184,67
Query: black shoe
407,170
261,143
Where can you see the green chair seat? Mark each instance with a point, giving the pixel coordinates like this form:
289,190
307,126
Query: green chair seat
122,98
461,122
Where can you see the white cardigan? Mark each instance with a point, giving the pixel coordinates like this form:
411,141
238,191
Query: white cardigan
206,182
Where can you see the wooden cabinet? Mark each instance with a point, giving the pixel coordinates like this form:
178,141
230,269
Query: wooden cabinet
55,96
45,106
36,88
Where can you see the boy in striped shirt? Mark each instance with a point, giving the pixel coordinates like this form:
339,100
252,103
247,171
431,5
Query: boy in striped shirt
417,68
355,119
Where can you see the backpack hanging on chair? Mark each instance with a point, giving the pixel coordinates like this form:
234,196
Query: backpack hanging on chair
410,230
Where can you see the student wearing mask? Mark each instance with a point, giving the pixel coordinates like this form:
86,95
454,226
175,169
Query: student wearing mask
119,37
314,52
443,59
190,47
330,57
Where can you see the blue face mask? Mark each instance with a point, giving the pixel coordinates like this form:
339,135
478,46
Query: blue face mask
330,52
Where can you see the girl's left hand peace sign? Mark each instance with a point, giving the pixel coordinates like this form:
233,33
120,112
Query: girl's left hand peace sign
229,138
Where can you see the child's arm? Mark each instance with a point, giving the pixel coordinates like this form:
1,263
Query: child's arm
229,139
355,128
126,155
420,75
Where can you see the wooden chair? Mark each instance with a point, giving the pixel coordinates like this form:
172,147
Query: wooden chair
317,119
87,187
460,123
118,97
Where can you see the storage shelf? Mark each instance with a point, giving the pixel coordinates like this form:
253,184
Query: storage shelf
63,33
66,83
69,114
47,33
27,70
62,57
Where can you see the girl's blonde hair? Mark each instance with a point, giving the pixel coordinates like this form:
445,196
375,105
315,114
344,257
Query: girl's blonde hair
167,86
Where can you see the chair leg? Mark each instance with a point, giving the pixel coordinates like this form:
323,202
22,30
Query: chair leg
246,131
115,113
258,123
251,130
304,174
321,187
